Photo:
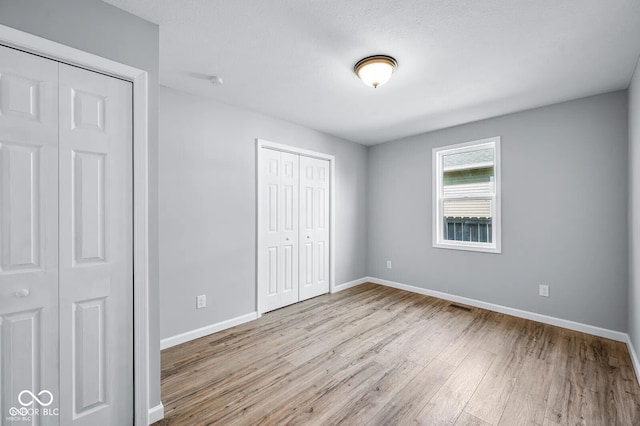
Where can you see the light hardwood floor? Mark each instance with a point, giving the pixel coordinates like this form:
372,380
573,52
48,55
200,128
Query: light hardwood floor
373,355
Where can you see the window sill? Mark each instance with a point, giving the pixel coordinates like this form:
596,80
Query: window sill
459,245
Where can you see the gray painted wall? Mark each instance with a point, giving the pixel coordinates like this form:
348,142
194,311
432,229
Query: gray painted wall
634,209
570,157
208,209
101,29
564,213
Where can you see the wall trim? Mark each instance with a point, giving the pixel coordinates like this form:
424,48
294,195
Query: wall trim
62,53
206,330
634,358
349,284
559,322
156,413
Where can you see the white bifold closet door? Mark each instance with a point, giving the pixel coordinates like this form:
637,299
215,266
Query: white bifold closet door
28,230
66,262
294,225
96,248
278,268
314,227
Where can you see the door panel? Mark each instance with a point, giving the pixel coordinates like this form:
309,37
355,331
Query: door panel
89,341
314,232
28,230
88,206
279,221
21,199
96,241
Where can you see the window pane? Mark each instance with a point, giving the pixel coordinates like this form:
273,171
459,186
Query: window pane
469,172
467,220
466,196
465,160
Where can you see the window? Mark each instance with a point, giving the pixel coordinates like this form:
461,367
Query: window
466,196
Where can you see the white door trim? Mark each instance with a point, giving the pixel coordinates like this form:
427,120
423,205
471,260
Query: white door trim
261,143
33,44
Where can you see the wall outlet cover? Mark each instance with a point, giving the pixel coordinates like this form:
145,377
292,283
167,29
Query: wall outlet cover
201,301
543,290
388,264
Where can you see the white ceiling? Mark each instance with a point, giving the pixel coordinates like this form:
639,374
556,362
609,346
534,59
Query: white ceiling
459,60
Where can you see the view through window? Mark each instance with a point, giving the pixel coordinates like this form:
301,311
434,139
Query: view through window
466,195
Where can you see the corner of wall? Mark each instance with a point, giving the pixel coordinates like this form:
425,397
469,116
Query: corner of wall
633,290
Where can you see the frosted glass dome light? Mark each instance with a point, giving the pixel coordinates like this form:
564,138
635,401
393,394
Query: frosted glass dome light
376,70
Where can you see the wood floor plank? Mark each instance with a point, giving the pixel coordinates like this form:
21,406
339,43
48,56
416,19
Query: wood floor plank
273,410
447,404
436,338
373,355
527,403
409,400
548,422
466,419
261,401
468,339
491,395
501,332
362,408
589,389
334,397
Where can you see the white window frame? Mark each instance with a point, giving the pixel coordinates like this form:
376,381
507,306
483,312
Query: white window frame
438,197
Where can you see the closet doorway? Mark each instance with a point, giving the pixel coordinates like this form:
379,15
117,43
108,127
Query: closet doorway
295,206
67,240
74,235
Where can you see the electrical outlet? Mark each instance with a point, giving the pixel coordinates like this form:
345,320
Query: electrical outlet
543,290
201,301
388,264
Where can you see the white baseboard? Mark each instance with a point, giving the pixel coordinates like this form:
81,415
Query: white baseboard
571,325
156,413
634,358
205,331
350,284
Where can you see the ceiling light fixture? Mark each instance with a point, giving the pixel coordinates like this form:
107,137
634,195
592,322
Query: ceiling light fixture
375,70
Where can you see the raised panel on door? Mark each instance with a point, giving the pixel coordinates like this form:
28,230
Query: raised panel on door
314,227
278,224
28,234
96,243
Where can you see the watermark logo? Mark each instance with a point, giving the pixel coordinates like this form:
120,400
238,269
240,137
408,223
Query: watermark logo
29,409
35,398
